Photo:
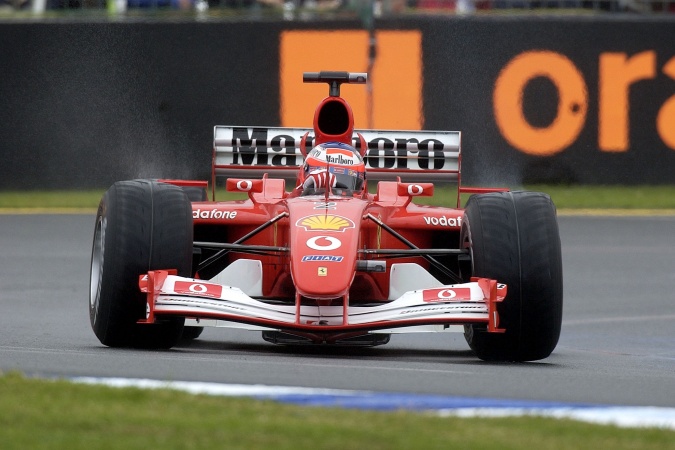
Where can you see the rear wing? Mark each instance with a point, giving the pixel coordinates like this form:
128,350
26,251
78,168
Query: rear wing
244,152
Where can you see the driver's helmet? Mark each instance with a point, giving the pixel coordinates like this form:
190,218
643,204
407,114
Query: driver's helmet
333,164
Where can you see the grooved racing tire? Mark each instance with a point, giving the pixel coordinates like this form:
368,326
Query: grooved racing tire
513,238
141,225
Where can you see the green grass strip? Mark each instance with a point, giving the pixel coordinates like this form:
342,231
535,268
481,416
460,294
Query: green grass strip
607,198
42,414
610,197
56,200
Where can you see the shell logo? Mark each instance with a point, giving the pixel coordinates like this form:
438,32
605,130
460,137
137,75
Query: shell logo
325,222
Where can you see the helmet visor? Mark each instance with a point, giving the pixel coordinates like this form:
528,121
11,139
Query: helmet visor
346,178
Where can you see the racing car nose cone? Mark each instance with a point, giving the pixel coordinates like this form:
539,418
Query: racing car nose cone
324,246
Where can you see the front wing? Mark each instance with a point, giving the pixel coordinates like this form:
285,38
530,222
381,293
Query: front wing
171,295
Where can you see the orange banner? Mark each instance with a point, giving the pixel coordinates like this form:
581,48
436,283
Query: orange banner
395,82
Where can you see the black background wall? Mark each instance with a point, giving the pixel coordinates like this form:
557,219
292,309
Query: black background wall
83,105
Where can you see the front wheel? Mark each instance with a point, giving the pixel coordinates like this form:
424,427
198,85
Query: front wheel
513,238
141,225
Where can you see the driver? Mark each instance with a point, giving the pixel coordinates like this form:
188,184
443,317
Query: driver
333,164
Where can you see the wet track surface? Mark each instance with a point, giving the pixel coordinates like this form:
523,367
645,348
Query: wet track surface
617,344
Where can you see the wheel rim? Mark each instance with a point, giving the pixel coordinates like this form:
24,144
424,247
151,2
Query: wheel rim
96,274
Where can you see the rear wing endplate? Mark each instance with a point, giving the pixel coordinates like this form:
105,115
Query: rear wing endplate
412,155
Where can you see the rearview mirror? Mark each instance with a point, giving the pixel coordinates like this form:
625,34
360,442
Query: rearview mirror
240,185
415,189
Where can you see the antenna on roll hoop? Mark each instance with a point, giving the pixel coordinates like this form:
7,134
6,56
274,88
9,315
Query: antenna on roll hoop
335,79
328,186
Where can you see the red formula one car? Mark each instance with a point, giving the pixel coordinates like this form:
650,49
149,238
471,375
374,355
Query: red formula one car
328,261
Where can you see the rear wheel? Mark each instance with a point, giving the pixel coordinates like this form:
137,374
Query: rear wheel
513,238
140,225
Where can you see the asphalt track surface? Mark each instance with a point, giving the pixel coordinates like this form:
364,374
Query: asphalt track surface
617,345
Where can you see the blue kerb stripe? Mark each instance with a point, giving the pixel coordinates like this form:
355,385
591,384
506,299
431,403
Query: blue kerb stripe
415,402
